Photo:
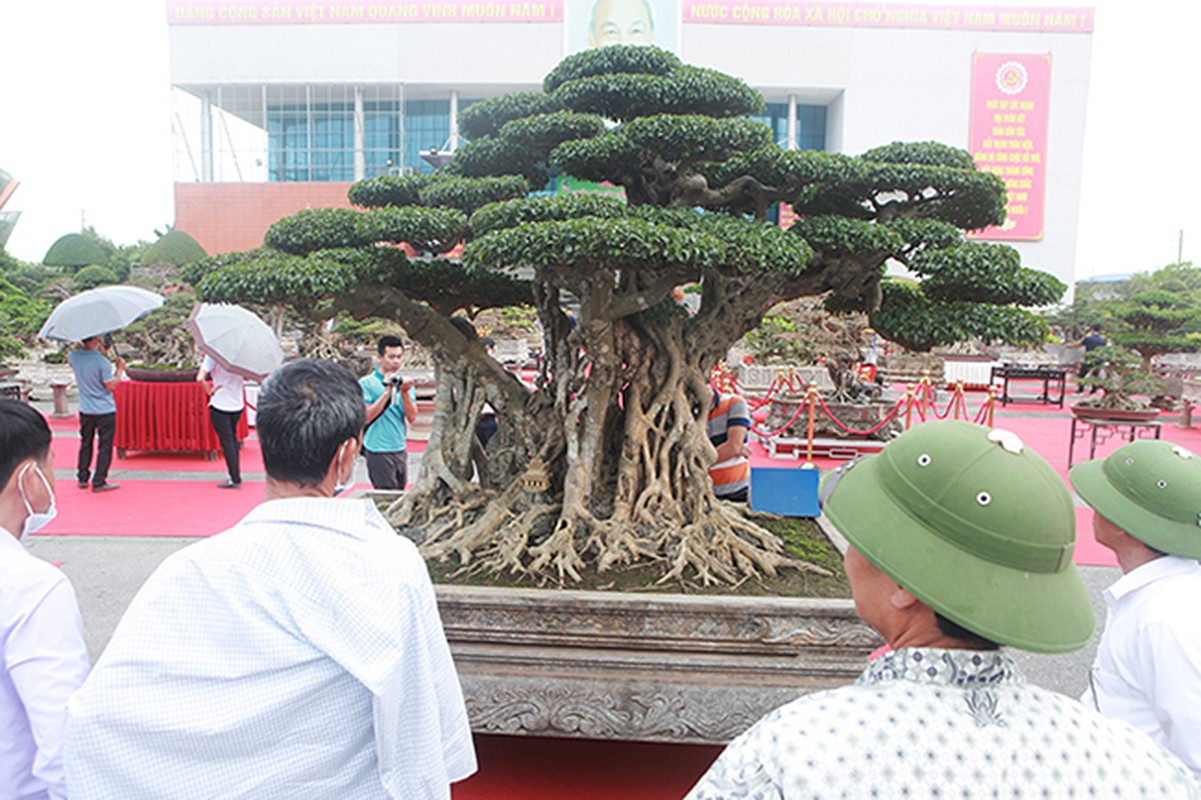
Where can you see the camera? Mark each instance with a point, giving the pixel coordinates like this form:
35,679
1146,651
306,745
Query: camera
396,381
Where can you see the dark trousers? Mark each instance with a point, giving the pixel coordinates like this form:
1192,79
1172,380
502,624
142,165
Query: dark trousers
387,470
89,425
225,423
485,428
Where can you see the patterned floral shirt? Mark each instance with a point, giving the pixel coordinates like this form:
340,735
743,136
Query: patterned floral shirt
925,722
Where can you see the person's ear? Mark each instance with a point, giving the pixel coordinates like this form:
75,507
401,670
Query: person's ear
902,599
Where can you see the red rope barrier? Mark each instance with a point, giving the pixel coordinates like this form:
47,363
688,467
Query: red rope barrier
786,426
895,410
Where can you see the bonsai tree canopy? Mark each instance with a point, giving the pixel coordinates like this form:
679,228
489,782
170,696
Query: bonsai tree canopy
605,462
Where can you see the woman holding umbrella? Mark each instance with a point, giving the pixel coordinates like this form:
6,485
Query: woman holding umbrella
226,402
236,345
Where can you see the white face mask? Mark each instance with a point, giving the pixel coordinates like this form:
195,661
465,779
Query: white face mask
342,484
36,519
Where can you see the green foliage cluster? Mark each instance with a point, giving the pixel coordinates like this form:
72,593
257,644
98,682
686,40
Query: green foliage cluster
685,90
487,117
627,243
175,248
933,154
620,60
335,228
22,312
93,276
520,317
74,250
389,190
916,321
778,340
984,273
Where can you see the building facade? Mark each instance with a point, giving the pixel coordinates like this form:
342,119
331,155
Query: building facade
281,104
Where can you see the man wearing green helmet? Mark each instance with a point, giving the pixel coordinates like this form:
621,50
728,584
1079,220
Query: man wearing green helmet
961,540
1146,501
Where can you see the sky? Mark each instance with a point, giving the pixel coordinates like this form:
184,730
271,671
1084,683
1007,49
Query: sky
85,126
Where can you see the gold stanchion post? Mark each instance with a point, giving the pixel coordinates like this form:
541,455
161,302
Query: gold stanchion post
812,413
908,406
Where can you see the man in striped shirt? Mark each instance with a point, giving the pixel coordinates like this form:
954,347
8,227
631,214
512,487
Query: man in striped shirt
729,421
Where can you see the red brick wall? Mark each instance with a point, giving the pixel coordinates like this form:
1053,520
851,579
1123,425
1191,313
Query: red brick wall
227,217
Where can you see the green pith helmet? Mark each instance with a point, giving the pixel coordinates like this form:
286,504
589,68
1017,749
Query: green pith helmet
975,525
1151,489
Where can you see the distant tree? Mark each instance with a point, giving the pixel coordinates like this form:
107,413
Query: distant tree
74,251
174,248
605,462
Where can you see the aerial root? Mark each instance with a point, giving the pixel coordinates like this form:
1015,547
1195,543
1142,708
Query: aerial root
559,550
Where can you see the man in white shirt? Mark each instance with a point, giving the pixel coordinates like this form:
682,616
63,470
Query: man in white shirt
961,540
297,655
1146,501
41,636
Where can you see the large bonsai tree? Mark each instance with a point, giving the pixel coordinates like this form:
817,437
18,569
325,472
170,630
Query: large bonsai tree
605,462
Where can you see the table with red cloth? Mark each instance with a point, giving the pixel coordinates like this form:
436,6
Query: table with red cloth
167,416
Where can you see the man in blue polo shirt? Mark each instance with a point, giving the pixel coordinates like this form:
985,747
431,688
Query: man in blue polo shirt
96,380
391,409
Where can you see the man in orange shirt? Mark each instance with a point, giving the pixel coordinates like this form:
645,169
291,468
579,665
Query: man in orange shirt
729,421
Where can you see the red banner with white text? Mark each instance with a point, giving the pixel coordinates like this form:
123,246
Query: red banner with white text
1011,97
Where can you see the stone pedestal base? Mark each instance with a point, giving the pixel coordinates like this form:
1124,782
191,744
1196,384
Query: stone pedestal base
664,668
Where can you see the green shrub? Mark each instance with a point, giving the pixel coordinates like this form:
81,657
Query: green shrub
175,248
74,250
93,276
11,347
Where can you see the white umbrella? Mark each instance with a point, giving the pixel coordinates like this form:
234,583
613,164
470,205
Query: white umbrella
98,311
236,339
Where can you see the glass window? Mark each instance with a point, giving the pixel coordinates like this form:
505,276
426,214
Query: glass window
426,124
811,125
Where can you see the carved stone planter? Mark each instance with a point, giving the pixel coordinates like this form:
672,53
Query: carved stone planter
643,667
856,416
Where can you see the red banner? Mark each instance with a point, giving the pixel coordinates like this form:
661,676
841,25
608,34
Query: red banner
316,12
1010,107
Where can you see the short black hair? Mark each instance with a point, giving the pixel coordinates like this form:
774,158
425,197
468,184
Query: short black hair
306,410
389,341
954,630
24,434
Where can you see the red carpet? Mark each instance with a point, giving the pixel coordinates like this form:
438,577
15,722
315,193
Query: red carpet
531,768
66,454
153,508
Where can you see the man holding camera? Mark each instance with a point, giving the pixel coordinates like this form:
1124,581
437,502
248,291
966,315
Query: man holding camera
391,409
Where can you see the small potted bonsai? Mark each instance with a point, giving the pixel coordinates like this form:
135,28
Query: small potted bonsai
1120,374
